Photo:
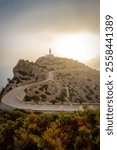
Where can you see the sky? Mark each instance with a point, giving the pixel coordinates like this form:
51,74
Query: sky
28,28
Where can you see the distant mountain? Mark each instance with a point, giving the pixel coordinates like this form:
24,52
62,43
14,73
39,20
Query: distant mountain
56,80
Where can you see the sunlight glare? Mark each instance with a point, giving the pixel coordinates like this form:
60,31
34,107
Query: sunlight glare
81,46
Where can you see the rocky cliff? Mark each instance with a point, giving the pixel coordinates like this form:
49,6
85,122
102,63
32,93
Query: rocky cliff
57,80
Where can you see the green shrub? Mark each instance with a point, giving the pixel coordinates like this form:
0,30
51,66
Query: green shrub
22,72
35,97
43,96
50,131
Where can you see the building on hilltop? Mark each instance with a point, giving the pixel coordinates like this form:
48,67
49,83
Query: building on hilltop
50,53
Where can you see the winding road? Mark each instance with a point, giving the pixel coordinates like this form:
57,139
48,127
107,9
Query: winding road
13,99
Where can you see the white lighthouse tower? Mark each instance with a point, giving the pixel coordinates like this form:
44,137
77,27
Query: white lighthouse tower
50,53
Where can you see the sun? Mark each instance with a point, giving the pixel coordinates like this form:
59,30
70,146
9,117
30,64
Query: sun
80,46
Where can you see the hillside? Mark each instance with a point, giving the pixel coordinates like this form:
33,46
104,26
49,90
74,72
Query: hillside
56,80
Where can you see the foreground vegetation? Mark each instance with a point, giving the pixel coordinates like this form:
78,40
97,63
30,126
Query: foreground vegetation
20,130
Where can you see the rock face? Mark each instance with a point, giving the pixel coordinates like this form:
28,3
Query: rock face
25,72
57,80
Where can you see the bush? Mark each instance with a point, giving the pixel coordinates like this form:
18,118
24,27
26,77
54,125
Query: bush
27,98
62,131
22,72
48,93
91,91
35,97
30,98
53,102
43,96
88,97
36,92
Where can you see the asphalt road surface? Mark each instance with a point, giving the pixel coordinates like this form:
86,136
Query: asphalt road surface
13,99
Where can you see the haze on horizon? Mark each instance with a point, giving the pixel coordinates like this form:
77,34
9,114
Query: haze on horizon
28,28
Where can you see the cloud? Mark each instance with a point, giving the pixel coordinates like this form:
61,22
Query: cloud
52,15
41,21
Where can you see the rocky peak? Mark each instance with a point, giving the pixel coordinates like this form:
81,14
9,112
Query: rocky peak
57,80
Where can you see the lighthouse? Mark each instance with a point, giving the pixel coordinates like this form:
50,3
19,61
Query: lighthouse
50,52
